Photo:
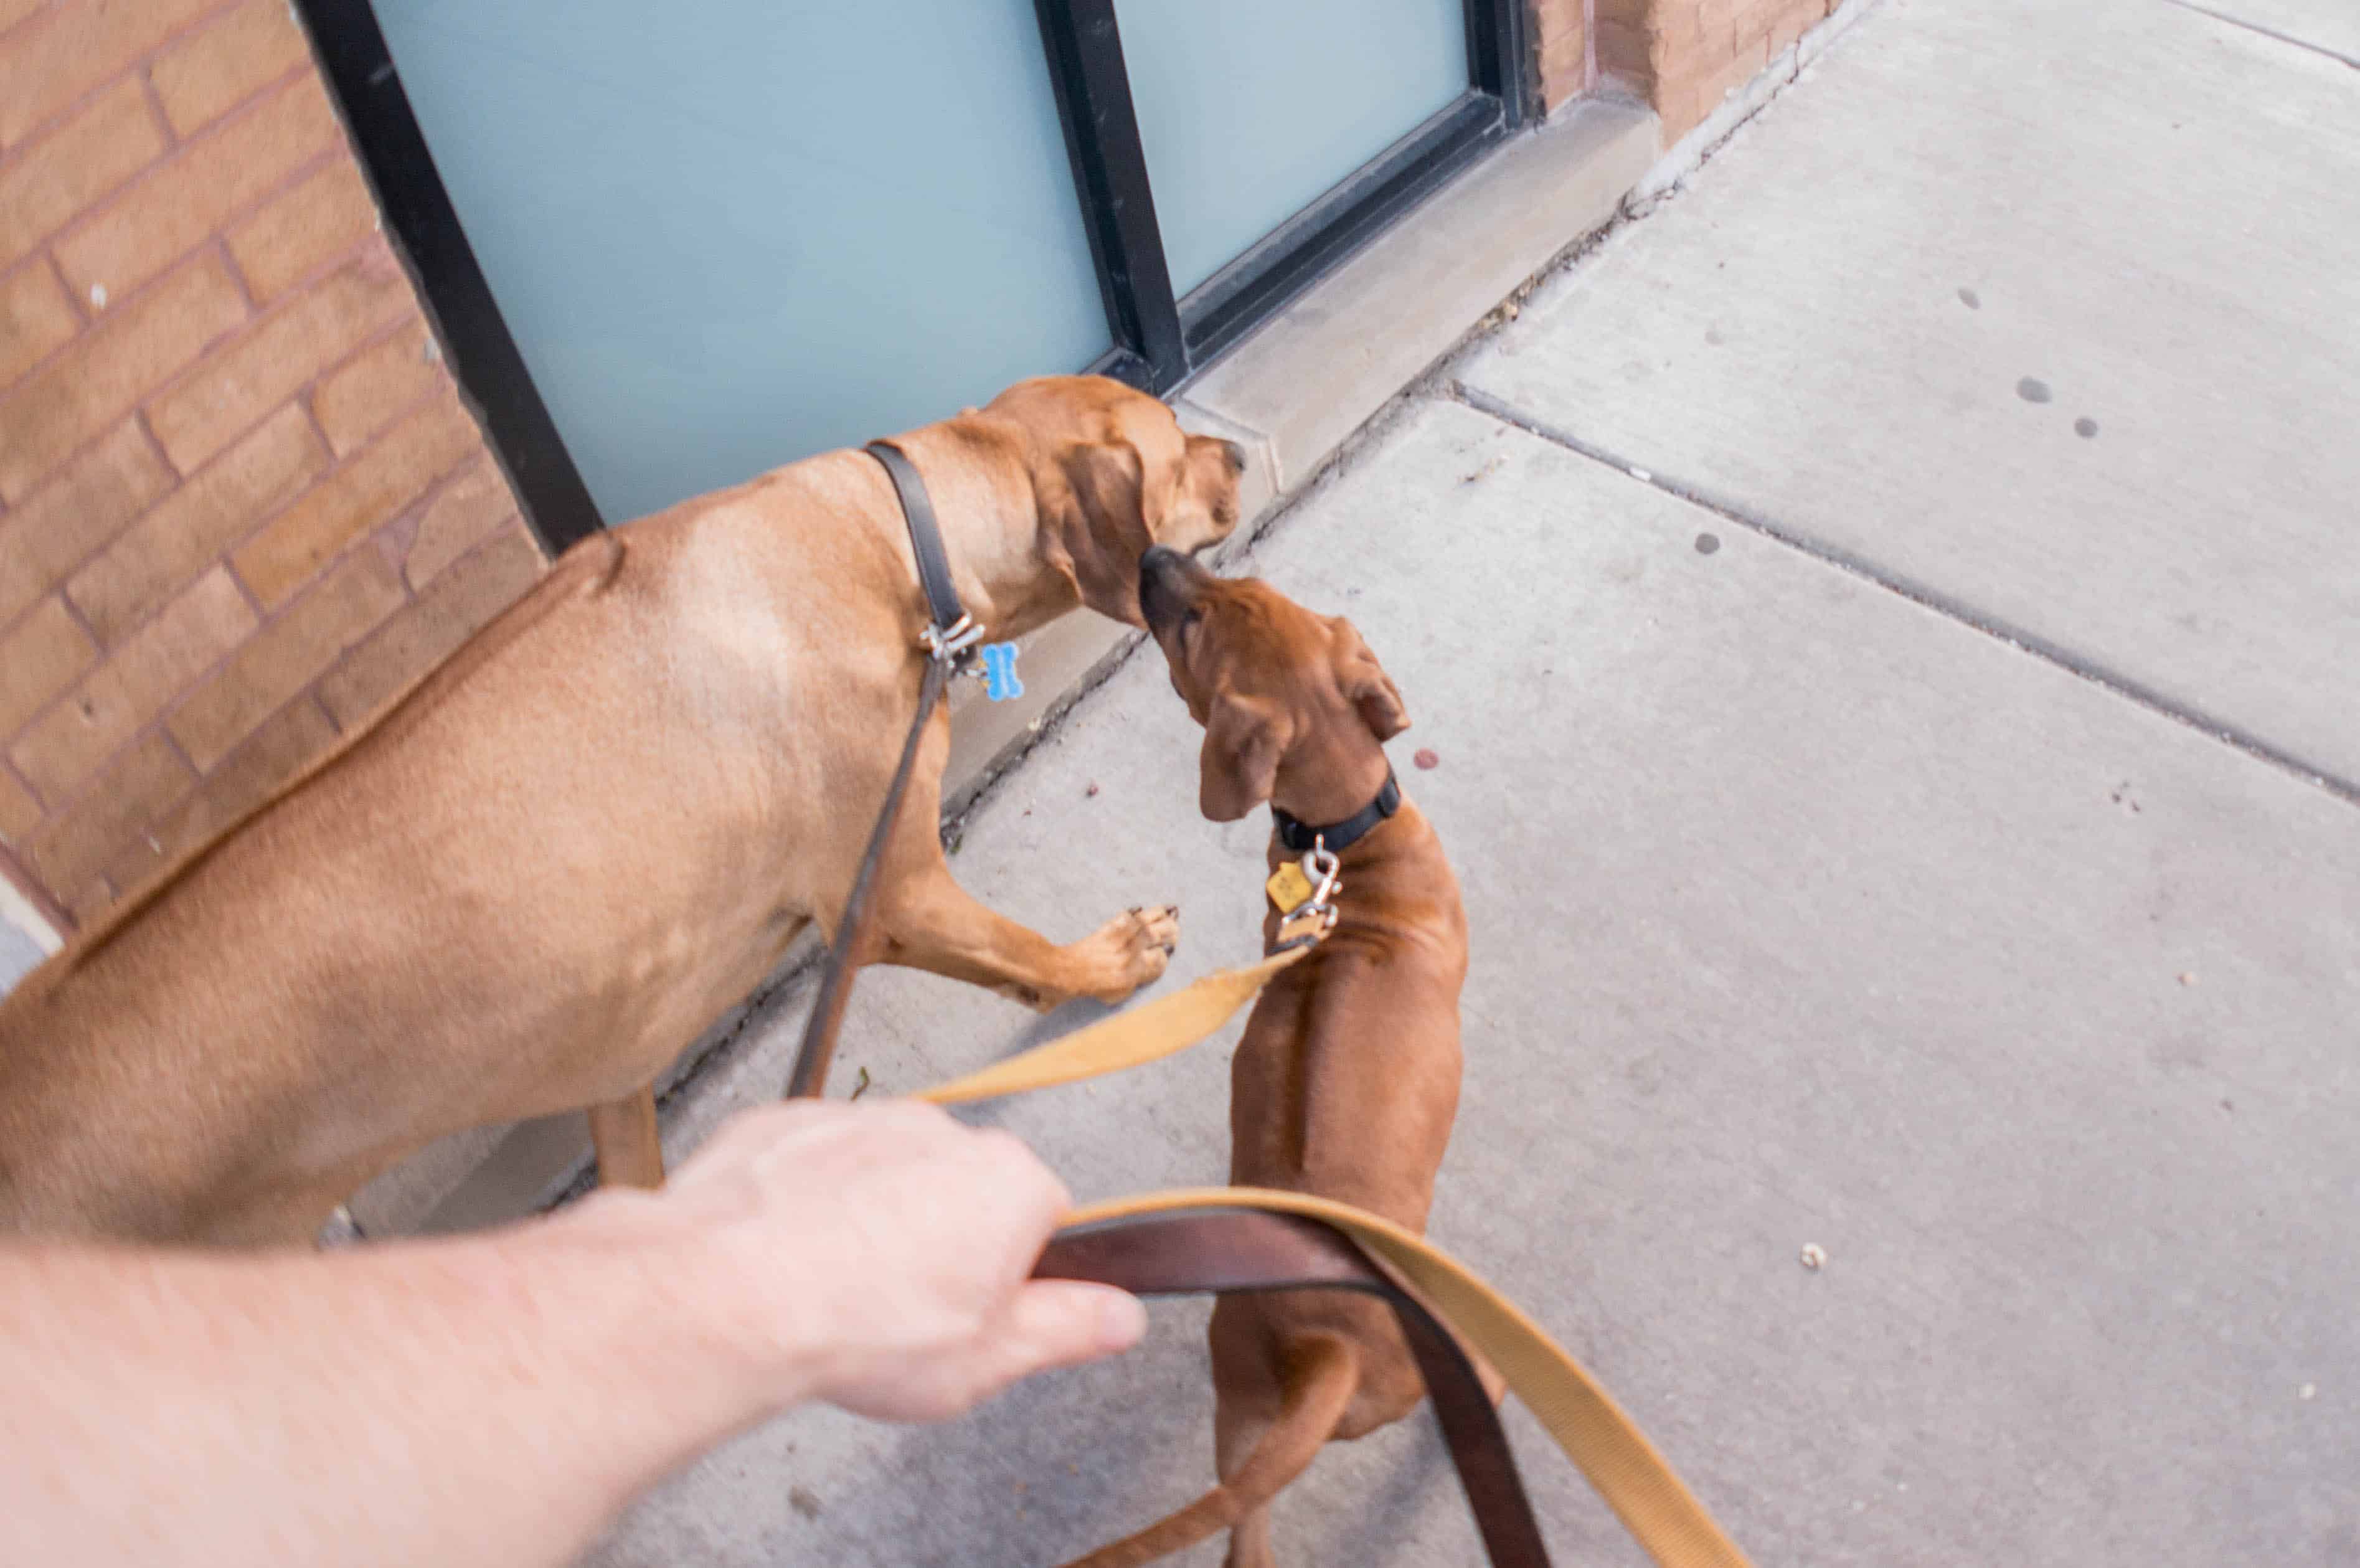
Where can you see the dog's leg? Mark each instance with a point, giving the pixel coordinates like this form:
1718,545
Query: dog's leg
624,1133
934,924
929,922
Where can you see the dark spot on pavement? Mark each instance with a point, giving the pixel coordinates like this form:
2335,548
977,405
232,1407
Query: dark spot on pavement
2086,428
1970,299
805,1501
1091,791
1427,758
2032,390
1707,544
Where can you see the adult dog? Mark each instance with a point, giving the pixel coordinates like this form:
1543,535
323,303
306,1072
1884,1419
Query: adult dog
597,827
1346,1081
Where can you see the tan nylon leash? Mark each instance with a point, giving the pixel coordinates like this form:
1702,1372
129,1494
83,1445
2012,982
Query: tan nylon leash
1150,1032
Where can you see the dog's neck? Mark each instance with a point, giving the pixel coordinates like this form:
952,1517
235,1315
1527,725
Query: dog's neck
990,516
1330,792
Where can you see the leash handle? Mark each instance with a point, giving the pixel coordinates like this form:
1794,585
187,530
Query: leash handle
809,1078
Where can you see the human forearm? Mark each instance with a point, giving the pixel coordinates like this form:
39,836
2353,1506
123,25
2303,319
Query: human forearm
493,1400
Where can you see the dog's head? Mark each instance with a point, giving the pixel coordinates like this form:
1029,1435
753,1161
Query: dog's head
1115,475
1295,706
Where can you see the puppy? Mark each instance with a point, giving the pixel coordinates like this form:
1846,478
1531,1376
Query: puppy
1347,1080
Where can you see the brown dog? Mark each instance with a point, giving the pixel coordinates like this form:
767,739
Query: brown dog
1347,1079
595,828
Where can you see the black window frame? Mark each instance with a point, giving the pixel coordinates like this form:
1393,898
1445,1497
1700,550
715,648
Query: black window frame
1160,340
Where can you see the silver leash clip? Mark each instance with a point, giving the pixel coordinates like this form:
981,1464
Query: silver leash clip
945,644
1312,919
1321,868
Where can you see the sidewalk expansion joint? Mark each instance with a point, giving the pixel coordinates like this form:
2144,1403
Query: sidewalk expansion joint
1919,594
2305,44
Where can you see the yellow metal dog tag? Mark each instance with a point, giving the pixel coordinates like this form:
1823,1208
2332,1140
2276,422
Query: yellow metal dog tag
1289,888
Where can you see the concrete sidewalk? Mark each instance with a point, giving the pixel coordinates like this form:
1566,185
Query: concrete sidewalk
1889,820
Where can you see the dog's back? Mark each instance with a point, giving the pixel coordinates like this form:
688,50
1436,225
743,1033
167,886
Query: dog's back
1346,1085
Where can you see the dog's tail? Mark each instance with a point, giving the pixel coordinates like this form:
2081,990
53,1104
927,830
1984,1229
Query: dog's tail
1320,1379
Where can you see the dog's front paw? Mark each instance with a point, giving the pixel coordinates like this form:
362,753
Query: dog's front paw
1130,950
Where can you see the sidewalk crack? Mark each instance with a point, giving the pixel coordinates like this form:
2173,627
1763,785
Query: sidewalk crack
1919,594
2336,55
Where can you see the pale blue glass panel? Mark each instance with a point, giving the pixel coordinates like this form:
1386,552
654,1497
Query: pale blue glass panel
1249,109
727,234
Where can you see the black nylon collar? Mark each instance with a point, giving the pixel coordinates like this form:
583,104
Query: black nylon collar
1299,836
925,542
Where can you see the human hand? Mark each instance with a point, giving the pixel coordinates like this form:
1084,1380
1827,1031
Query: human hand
877,1256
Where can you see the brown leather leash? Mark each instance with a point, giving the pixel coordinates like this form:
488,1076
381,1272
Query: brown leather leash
1214,1241
846,955
949,639
1220,1247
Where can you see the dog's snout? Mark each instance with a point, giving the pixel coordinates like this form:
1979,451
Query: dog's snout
1237,454
1162,572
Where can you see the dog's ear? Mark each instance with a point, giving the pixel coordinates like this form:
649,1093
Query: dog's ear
1244,738
1100,525
1372,691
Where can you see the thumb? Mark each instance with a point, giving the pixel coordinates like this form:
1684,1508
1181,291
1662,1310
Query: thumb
1062,1322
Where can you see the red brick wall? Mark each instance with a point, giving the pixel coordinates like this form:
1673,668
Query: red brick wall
1686,56
241,502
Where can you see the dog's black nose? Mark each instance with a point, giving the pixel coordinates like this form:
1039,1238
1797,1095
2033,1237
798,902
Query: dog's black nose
1157,572
1236,456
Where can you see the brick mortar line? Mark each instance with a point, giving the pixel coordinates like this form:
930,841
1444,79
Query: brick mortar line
2305,44
115,305
215,242
81,306
1955,610
303,283
138,417
139,66
26,263
20,876
199,778
203,21
302,395
161,720
218,243
254,322
181,150
434,484
426,500
154,98
21,23
138,404
309,693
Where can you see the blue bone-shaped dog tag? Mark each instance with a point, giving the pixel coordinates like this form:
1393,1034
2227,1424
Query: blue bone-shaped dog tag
999,682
